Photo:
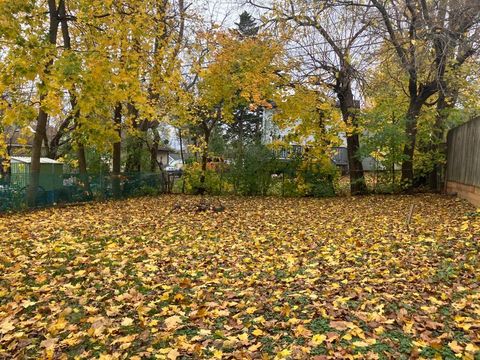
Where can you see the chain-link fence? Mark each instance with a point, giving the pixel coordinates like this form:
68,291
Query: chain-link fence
377,182
71,188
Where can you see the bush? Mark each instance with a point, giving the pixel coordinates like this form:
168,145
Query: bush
215,182
317,179
251,173
146,190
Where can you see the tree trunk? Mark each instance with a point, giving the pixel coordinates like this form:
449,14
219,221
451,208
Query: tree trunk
180,137
357,177
42,118
82,168
443,106
182,157
203,189
409,148
154,151
206,132
117,152
55,142
134,159
36,155
135,147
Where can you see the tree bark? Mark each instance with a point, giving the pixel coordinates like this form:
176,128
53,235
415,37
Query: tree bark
182,157
56,141
347,107
117,152
82,168
203,189
82,161
203,174
154,152
413,112
42,118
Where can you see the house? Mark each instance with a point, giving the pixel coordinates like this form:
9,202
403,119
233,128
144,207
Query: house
271,132
164,155
20,144
174,162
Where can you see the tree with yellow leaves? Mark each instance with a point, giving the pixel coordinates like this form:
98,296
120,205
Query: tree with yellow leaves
237,72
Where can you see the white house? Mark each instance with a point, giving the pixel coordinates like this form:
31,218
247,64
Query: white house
272,132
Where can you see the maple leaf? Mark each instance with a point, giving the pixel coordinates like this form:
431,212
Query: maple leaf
172,322
49,345
6,326
318,339
126,321
365,343
341,325
472,348
243,338
302,331
173,354
283,354
257,332
59,325
457,349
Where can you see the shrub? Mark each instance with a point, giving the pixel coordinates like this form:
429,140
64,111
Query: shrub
251,173
317,179
215,182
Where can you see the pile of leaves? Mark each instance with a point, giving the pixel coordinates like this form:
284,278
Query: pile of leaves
266,278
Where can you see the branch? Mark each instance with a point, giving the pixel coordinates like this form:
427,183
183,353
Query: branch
393,37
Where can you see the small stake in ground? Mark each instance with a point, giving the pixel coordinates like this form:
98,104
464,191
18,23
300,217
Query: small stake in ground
409,218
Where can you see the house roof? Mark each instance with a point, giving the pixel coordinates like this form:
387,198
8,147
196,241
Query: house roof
28,160
166,148
176,156
13,136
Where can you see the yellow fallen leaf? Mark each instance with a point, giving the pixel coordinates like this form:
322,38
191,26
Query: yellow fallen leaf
302,331
6,326
318,339
283,354
49,345
204,332
472,348
257,332
254,347
173,354
127,321
172,322
365,343
457,349
59,325
243,338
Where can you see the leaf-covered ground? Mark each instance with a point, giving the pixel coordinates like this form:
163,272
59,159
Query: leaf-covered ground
266,278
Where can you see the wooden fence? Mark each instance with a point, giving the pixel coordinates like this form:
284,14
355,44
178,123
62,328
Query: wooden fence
463,161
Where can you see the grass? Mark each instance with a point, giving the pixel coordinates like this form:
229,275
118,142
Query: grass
144,279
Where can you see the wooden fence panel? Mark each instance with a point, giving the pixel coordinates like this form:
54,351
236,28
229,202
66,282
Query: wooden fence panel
463,153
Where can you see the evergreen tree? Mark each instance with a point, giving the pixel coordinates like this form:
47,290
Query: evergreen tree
247,26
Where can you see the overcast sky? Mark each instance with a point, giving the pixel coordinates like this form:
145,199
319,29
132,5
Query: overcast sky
225,12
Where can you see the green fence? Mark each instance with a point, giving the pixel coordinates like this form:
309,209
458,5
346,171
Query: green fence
71,188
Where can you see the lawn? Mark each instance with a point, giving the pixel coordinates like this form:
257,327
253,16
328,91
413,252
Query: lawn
266,278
